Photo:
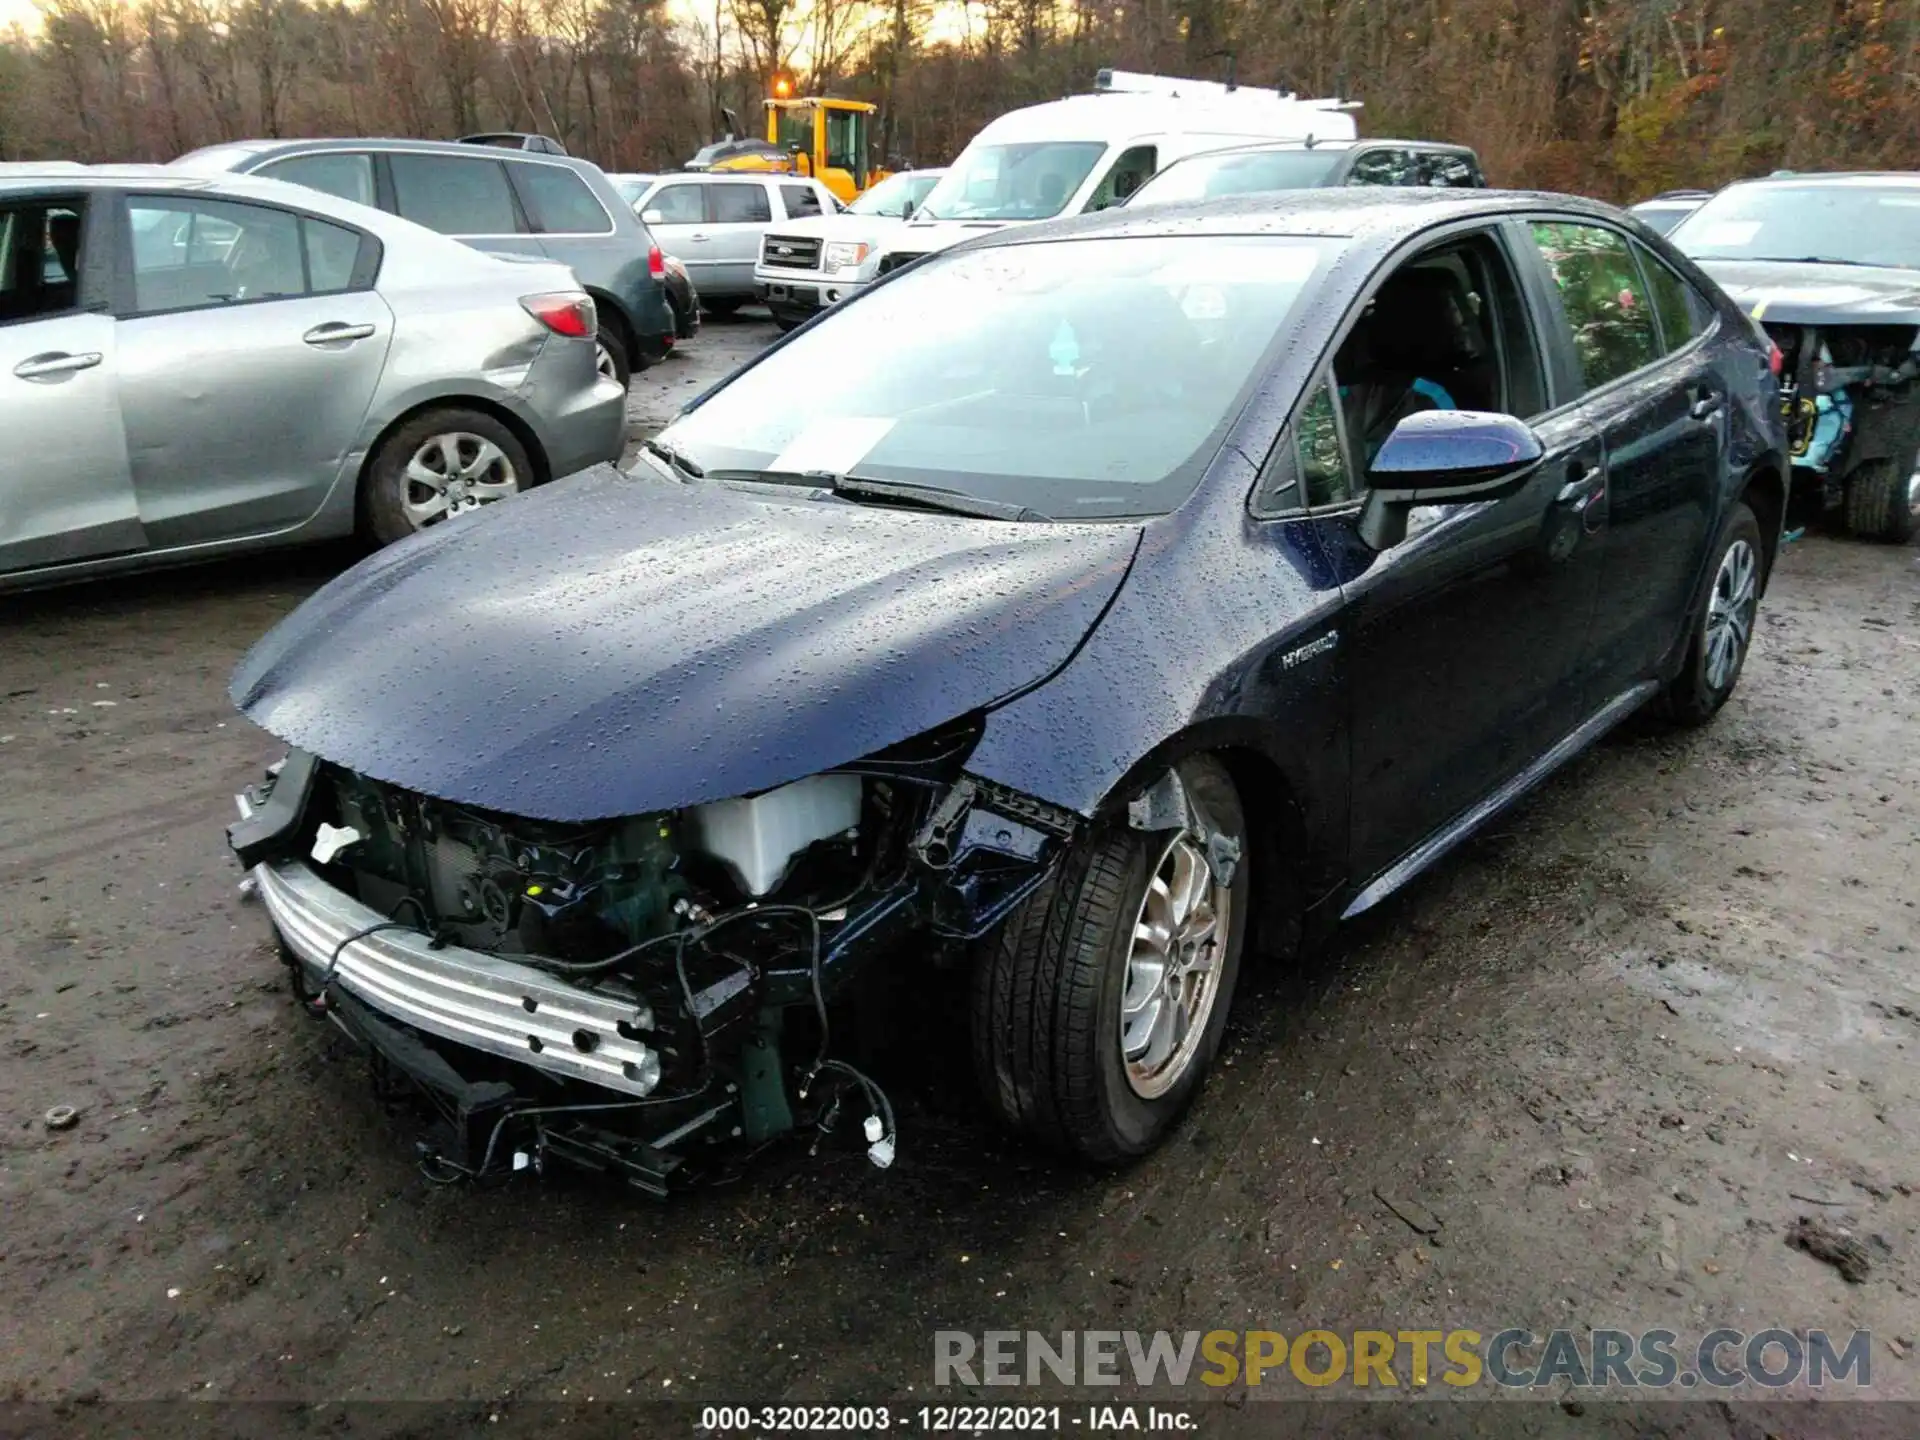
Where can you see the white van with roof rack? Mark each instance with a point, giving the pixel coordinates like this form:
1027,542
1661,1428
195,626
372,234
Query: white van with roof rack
1088,152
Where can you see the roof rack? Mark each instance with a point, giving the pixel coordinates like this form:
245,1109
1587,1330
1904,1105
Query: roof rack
516,140
1173,87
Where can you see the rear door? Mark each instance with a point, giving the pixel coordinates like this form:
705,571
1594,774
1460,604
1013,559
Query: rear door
249,354
1654,399
65,489
738,213
676,213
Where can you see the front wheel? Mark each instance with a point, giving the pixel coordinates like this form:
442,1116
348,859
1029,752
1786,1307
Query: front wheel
440,463
788,321
720,309
1098,1007
1883,501
1723,628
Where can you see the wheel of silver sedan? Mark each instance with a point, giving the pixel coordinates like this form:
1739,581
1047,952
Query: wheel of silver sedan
454,472
1730,612
1173,967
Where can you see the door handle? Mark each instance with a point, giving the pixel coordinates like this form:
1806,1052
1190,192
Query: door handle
55,362
702,238
336,332
1705,404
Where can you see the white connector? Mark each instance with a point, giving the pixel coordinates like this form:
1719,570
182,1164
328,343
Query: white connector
879,1143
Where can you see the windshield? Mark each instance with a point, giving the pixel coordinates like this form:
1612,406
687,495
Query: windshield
1243,172
1850,224
1013,182
892,195
1020,374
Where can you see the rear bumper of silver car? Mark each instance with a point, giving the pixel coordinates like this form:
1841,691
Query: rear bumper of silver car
483,1001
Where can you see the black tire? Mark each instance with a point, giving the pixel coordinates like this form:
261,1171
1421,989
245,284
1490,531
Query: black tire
612,354
721,309
384,484
1704,683
788,321
1047,989
1878,507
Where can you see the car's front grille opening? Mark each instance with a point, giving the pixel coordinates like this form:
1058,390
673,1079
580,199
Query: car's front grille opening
791,252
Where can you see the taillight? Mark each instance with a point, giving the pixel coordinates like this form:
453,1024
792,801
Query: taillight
565,312
1775,359
656,263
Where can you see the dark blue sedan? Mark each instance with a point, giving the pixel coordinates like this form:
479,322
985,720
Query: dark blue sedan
1083,609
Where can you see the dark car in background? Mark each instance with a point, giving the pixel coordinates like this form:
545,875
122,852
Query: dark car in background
680,291
1830,266
1011,656
507,201
1312,164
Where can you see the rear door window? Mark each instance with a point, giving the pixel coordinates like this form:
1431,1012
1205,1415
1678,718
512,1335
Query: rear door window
740,205
189,253
560,200
1604,296
455,195
349,176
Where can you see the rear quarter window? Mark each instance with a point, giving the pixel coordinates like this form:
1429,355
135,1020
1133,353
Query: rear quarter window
561,202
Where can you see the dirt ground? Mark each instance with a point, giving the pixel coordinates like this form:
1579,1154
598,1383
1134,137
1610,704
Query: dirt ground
1613,1050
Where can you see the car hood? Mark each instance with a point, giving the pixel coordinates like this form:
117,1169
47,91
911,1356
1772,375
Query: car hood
1798,293
613,645
922,237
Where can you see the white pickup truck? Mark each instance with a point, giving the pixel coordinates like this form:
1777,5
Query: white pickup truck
807,265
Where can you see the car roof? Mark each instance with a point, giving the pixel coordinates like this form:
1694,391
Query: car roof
1359,143
1366,212
1841,179
266,149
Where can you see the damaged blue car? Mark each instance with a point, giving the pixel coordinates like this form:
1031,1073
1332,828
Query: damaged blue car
1145,593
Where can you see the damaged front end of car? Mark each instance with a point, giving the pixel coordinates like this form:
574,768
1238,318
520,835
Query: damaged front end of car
638,995
1849,395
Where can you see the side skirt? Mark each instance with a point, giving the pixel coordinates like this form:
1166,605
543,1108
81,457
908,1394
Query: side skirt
1429,851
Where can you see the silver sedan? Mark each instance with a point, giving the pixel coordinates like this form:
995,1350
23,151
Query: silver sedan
195,367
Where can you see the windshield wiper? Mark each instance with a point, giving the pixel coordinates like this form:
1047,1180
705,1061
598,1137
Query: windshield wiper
924,497
931,497
1795,260
674,458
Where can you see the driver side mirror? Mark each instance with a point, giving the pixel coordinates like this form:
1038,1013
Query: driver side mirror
652,217
1444,457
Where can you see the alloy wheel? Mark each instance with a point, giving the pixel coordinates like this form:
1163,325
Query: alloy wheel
1174,966
455,472
1730,613
603,361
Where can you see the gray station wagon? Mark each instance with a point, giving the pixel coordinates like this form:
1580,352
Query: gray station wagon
511,202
